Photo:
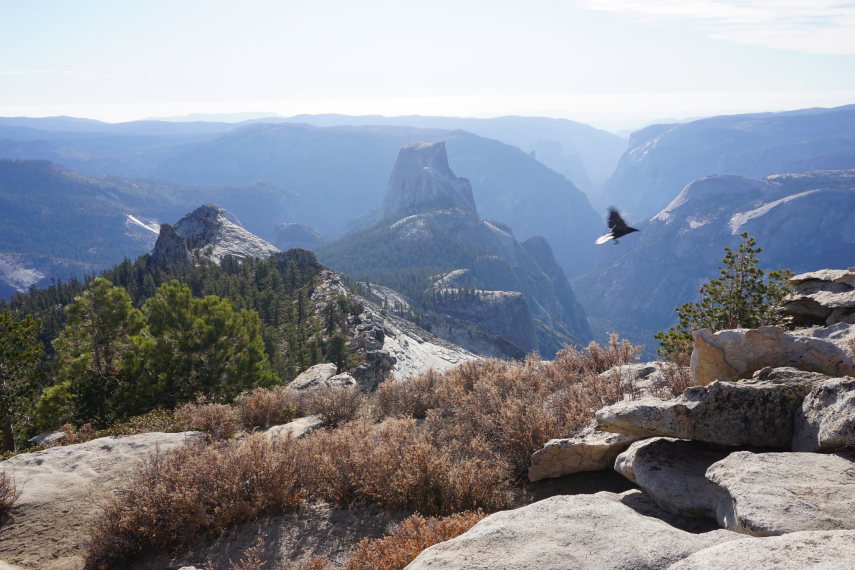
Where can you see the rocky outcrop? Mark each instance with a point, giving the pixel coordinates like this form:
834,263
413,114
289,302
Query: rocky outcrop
56,499
672,472
422,180
321,376
778,493
826,419
583,532
206,233
752,412
820,550
821,298
294,429
738,353
589,450
390,346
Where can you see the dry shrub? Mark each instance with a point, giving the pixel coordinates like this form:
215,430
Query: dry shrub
678,377
219,421
408,539
404,465
195,491
263,408
412,398
595,359
314,563
9,494
335,406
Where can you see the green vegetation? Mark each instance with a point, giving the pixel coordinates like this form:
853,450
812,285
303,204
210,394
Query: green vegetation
143,337
20,351
743,297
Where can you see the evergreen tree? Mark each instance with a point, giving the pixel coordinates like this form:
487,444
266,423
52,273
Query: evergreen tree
194,347
742,297
20,351
91,351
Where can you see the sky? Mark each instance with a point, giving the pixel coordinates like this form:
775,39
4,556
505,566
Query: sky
614,64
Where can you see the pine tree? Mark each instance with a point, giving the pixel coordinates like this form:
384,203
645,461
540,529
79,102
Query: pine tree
742,297
20,351
92,348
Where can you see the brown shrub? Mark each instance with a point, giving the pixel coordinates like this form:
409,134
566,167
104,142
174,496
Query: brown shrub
408,539
219,421
263,408
9,494
412,398
195,491
403,465
314,563
335,406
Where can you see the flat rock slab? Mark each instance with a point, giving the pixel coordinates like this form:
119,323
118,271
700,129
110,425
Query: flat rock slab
750,412
777,493
817,550
590,450
672,472
583,532
62,489
826,419
317,376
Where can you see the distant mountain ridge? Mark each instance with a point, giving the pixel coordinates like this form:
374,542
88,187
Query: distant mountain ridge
803,221
662,159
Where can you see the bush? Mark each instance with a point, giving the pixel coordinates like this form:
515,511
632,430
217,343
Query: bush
407,540
263,408
218,421
195,491
9,494
335,406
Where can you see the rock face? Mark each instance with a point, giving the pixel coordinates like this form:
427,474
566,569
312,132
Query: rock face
732,354
390,346
822,298
208,233
778,493
589,450
583,532
830,550
56,487
826,419
422,180
321,376
672,472
752,412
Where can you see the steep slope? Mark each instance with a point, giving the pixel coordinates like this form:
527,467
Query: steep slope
437,250
802,221
661,159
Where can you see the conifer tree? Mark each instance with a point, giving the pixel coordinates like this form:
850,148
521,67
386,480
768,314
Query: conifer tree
742,297
20,351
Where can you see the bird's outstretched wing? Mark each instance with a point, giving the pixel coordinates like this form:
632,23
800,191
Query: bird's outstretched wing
616,223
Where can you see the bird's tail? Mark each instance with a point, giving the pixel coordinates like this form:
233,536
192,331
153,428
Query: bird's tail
604,239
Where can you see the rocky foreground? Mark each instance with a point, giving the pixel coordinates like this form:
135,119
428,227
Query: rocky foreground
752,469
763,449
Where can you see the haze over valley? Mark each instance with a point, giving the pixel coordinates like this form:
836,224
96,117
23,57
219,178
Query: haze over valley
467,285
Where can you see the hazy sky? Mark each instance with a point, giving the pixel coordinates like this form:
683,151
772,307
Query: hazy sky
611,63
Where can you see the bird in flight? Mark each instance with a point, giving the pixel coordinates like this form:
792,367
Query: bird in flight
617,228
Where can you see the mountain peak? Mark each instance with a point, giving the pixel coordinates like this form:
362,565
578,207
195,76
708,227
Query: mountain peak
207,232
422,180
